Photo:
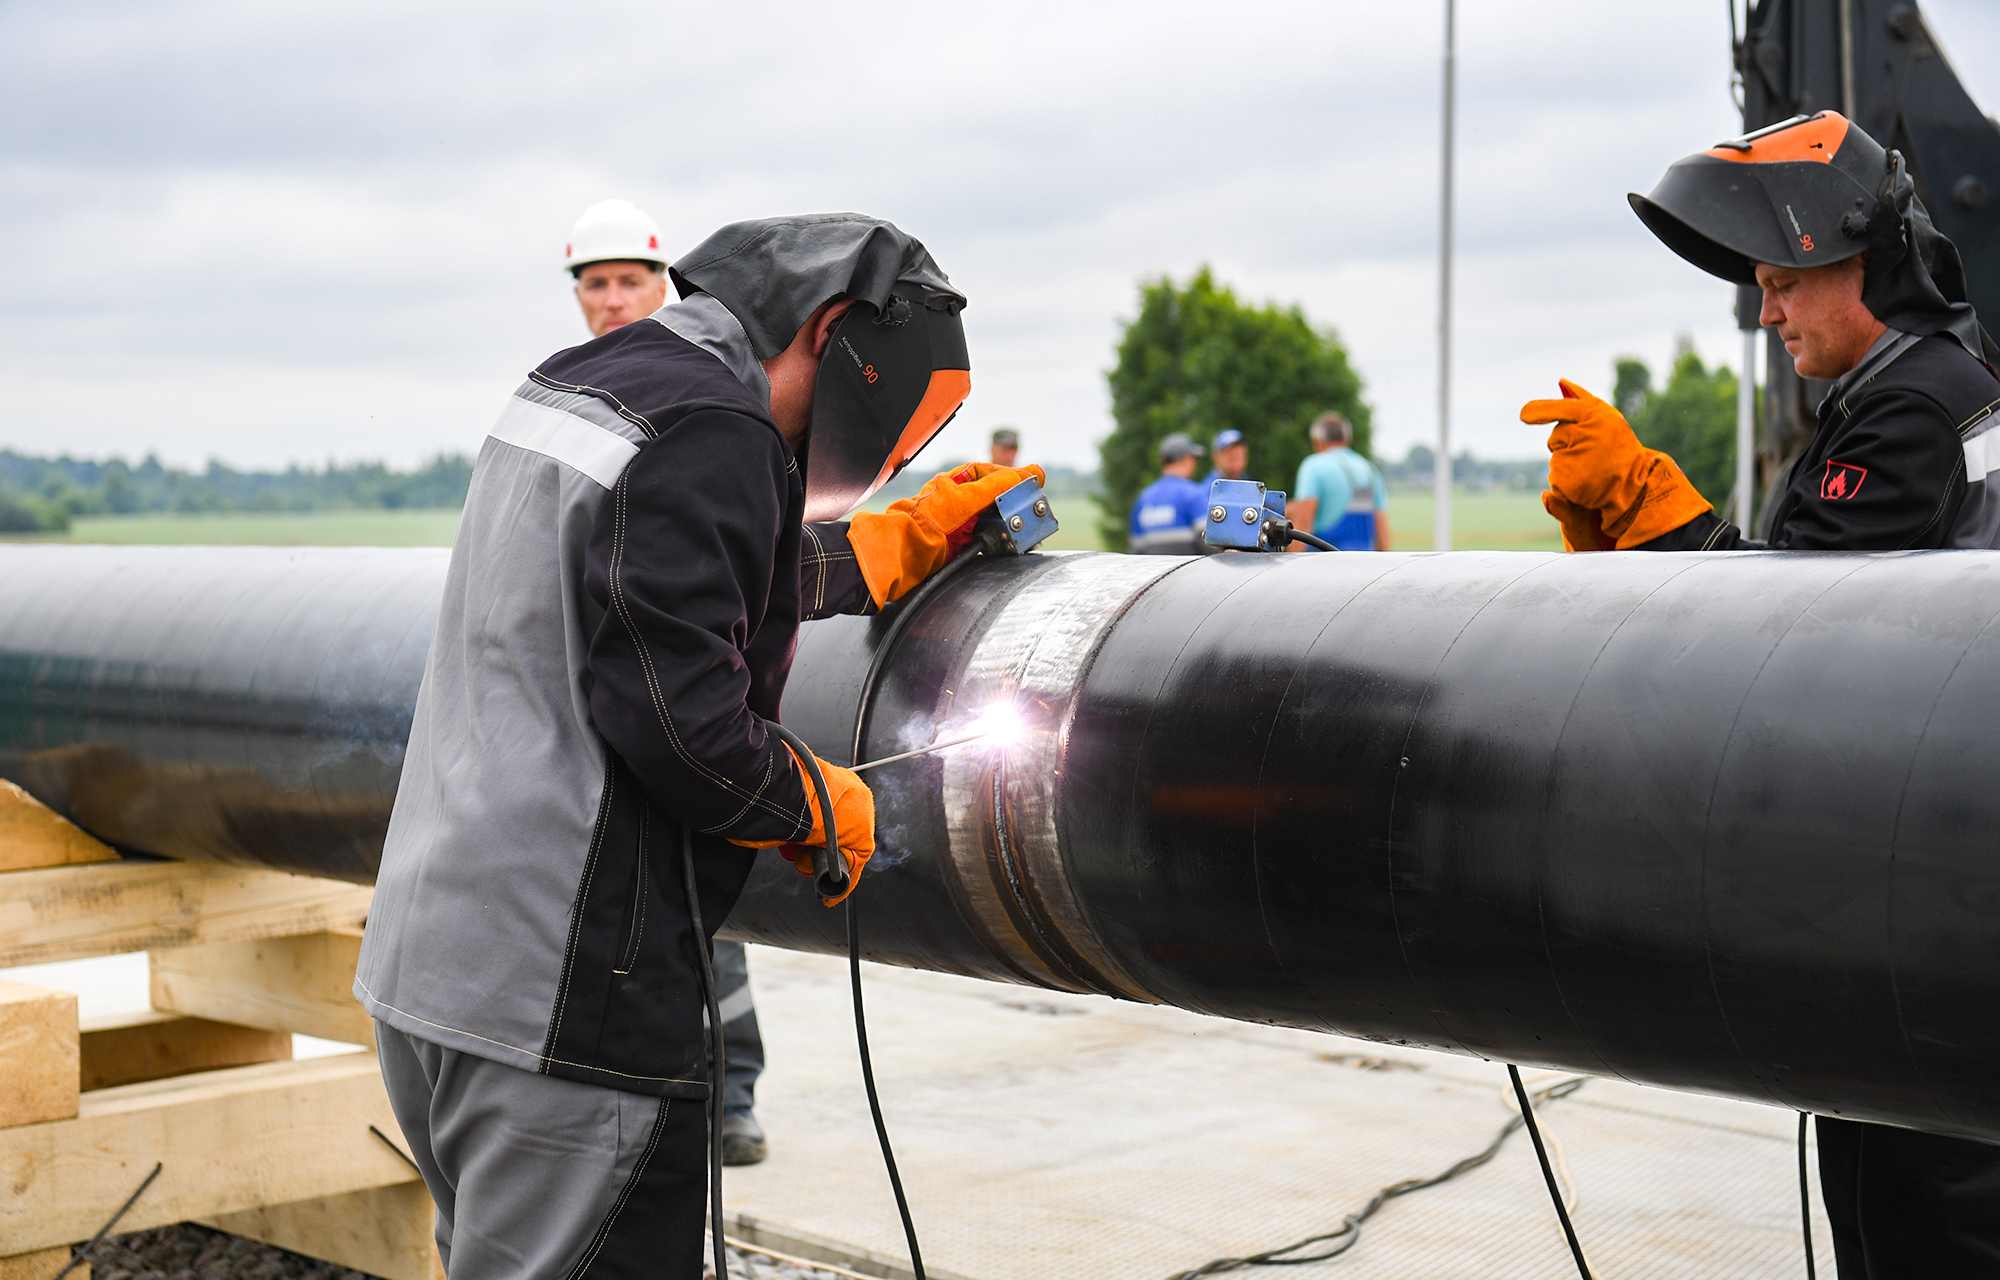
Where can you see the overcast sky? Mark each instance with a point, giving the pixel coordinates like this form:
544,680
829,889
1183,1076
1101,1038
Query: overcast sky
269,233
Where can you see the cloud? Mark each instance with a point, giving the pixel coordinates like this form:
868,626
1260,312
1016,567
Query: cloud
269,233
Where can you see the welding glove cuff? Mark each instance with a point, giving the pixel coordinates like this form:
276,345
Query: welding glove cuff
853,820
1598,471
918,536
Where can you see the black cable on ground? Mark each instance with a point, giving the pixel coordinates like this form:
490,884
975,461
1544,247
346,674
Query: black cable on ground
1548,1173
1805,1184
716,1060
835,858
1349,1231
868,1081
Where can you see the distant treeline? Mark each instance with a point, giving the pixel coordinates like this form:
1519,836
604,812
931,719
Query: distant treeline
1418,470
47,493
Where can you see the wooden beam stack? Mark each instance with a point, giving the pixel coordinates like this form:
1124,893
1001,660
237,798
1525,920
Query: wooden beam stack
248,1140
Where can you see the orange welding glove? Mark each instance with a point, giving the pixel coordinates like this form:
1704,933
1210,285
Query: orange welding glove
1582,527
916,537
853,820
1596,463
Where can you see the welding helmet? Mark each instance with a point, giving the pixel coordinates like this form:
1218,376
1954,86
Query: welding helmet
1809,192
1798,194
895,368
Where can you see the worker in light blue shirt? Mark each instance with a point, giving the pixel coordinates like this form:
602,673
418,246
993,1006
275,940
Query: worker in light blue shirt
1340,495
1168,518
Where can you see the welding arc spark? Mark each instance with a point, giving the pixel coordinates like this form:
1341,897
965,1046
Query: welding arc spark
924,751
1001,723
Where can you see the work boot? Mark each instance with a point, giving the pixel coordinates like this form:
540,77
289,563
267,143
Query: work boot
742,1137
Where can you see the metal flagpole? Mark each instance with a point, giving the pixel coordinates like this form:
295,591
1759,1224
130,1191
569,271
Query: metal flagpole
1441,527
1746,435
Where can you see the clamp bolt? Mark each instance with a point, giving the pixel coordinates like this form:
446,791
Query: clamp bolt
1016,523
1041,507
1249,515
1217,514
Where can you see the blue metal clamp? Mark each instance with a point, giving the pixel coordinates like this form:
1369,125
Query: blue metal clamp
1020,520
1239,513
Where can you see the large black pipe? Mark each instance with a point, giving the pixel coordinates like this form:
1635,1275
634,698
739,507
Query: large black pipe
1723,823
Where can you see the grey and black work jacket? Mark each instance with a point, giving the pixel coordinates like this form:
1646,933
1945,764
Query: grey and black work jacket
618,622
1902,459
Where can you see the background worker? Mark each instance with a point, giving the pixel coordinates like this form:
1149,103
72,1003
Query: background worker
624,595
1864,292
1339,494
1231,455
621,276
1168,517
1006,447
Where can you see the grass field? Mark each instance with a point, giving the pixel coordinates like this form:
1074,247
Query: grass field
1487,520
1499,519
371,528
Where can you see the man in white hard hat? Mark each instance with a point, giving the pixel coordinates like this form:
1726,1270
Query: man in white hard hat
621,275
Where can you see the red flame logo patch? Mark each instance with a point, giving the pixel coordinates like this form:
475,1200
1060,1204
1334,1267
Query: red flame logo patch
1841,481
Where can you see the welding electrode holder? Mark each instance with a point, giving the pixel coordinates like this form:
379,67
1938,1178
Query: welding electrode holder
831,877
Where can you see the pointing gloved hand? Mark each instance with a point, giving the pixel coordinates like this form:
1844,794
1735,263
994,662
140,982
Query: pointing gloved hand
1606,489
853,820
916,537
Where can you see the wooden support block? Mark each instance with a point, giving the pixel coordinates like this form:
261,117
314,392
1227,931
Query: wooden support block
38,1054
228,1141
34,835
126,1047
303,984
385,1232
42,1264
68,913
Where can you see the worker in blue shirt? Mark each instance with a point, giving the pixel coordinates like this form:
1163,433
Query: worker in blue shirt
1231,456
1167,519
1340,495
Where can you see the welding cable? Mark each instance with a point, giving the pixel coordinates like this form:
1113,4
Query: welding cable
1805,1184
716,1060
834,857
1317,543
1348,1233
1548,1173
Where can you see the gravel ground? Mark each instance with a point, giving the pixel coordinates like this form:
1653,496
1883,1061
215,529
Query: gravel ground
189,1252
755,1266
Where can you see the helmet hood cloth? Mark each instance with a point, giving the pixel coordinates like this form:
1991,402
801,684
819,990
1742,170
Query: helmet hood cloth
1809,192
895,368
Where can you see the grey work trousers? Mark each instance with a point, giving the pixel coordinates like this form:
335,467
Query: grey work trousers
742,1042
537,1178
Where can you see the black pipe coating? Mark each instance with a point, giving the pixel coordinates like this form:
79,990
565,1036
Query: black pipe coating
1714,822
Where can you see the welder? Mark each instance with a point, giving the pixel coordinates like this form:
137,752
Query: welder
650,520
1865,293
613,254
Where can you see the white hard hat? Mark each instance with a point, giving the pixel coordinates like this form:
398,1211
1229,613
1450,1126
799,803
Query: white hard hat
613,231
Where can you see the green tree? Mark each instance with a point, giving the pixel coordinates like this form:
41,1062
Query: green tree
1692,419
1199,360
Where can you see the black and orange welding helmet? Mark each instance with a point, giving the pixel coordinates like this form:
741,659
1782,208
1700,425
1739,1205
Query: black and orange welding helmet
1797,194
895,368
